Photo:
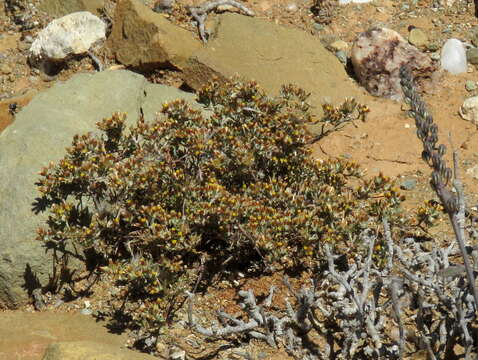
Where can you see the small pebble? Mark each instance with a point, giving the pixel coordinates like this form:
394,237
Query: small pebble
472,56
292,7
86,311
470,85
318,27
433,47
408,184
448,30
435,56
342,56
177,355
418,38
24,46
5,69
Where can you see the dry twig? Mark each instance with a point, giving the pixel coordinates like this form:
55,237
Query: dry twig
200,13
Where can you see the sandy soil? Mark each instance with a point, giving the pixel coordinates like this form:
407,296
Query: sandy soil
386,142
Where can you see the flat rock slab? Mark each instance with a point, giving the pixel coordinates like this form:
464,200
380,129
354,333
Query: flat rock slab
26,336
40,133
88,350
272,55
57,8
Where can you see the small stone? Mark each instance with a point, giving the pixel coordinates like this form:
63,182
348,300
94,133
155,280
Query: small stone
408,184
177,355
433,47
342,56
5,69
338,45
469,110
318,27
472,56
448,30
292,7
23,46
162,349
418,38
453,57
470,85
86,312
435,56
39,302
163,5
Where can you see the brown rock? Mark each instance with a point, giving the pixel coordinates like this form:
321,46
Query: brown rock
377,55
59,8
87,350
418,38
272,55
144,39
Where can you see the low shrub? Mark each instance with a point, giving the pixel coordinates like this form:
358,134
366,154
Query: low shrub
234,188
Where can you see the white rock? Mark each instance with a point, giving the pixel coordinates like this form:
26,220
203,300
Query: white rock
292,7
453,57
71,34
469,109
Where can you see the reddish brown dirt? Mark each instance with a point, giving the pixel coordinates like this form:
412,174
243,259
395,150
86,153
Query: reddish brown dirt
386,142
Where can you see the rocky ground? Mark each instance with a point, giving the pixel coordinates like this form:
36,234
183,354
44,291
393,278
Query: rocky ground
385,143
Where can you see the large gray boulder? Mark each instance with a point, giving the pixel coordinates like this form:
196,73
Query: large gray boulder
39,135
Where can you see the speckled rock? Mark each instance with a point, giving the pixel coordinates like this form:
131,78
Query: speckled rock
377,55
72,34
